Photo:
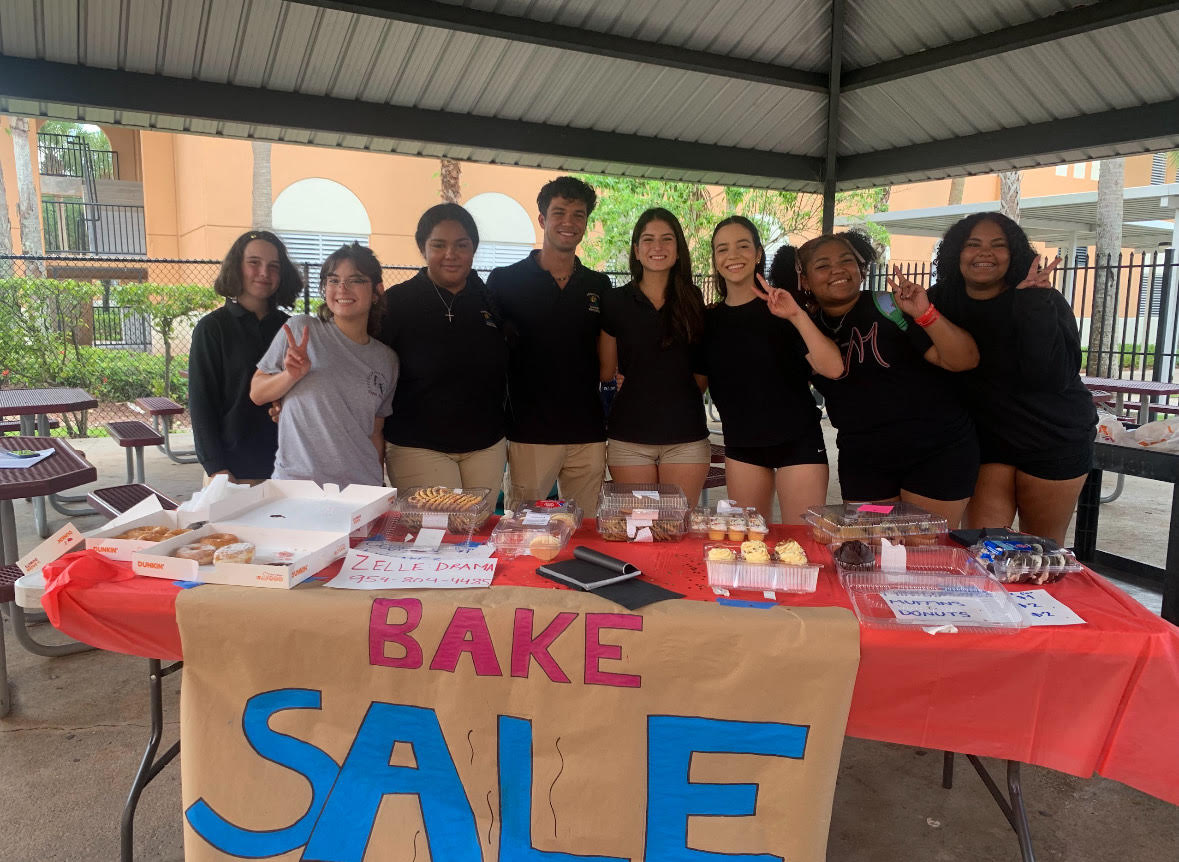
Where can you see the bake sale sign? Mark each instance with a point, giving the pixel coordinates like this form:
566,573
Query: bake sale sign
471,725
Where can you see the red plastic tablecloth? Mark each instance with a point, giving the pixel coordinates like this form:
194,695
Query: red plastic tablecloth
1101,697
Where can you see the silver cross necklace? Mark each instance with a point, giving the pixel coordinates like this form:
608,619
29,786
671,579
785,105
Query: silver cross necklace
448,305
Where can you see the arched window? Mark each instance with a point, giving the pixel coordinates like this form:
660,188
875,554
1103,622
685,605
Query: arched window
314,217
506,233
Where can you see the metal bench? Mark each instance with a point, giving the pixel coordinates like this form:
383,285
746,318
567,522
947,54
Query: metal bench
119,498
161,411
133,435
12,426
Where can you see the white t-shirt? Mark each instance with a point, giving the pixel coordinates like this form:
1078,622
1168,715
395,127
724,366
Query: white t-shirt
326,425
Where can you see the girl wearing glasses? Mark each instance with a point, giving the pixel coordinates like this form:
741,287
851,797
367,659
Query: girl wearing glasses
335,379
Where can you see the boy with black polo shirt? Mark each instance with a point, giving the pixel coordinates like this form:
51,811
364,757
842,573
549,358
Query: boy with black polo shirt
551,306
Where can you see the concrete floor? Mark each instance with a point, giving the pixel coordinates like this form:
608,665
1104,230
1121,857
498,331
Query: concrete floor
73,741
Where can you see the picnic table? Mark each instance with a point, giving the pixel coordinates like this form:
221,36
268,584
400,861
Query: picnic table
1145,389
33,407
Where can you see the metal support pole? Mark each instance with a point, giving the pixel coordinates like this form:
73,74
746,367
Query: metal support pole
830,172
149,767
1164,339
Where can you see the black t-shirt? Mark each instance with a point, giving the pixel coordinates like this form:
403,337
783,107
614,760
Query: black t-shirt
230,431
757,375
453,378
552,352
659,402
888,395
1026,393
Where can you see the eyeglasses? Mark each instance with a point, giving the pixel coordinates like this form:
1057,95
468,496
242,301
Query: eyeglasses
355,281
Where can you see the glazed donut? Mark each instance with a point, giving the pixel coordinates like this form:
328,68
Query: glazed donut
238,552
173,533
136,533
220,540
203,554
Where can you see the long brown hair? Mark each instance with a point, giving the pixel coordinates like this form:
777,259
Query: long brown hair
366,263
683,304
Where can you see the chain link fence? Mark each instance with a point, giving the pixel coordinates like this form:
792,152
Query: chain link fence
121,328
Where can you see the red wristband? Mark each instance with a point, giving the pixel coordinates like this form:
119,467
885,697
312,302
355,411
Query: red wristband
931,314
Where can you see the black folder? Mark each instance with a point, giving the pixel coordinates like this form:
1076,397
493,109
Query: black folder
606,576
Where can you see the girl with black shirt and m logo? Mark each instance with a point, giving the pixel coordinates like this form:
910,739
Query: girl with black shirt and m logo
903,434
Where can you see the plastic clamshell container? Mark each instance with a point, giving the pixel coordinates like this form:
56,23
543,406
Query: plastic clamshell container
524,534
741,574
871,522
559,510
1021,562
733,525
939,574
641,512
456,510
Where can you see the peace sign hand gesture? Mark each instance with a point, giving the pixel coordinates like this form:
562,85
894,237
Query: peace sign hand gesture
909,296
781,302
1037,276
296,363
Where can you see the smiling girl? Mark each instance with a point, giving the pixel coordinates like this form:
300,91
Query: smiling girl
1035,418
335,379
759,367
903,434
650,328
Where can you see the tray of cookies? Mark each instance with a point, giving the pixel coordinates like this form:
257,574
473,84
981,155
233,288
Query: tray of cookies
457,510
1035,561
642,512
539,533
871,522
754,565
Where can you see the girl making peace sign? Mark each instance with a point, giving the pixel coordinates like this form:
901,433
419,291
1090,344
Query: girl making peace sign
336,381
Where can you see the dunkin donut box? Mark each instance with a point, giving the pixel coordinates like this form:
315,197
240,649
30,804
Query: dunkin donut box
279,503
282,557
297,527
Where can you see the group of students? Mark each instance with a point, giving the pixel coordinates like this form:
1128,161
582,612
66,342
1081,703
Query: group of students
965,399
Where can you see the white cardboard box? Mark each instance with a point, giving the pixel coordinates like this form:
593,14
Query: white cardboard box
310,550
276,504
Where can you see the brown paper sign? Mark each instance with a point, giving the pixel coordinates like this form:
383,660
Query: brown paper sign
508,724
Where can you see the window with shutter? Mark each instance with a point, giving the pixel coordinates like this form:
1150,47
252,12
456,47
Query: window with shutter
309,250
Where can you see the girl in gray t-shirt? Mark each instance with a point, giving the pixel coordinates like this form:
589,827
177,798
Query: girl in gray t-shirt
336,381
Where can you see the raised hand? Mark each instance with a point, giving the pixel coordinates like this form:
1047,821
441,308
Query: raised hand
1039,275
296,362
781,302
909,296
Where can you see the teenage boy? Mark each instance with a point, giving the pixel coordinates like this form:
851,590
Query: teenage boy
551,306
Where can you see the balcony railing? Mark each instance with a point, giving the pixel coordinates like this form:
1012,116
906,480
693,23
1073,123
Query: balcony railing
66,156
75,226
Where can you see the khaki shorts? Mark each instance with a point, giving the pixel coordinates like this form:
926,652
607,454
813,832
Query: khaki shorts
408,467
619,453
578,469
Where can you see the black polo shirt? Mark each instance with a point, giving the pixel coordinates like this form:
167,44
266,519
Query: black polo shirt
231,432
758,375
552,352
659,403
889,397
452,384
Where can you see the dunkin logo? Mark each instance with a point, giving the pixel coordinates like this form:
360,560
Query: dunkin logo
147,564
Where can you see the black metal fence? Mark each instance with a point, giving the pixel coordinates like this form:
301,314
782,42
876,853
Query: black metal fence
120,327
71,156
108,229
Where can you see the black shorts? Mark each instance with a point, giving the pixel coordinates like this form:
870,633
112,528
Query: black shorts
807,449
1067,461
877,471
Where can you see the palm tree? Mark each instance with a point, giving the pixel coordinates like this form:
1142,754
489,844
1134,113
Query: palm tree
451,174
262,204
5,223
26,207
1103,318
957,190
1009,192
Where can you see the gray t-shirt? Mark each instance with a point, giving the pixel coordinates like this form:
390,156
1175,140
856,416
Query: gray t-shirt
326,425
